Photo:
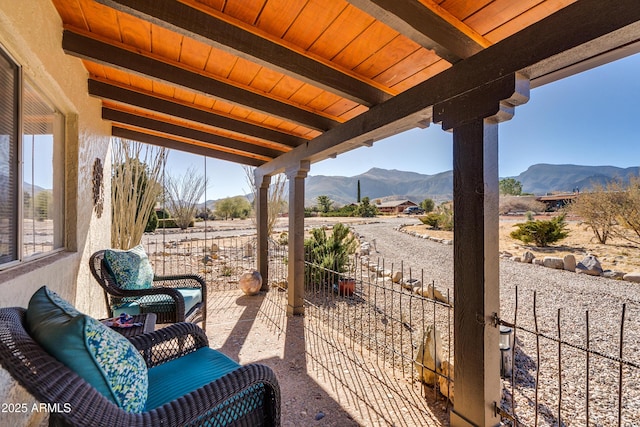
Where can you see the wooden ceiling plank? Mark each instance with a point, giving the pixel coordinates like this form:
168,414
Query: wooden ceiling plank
101,20
71,13
185,132
422,75
374,38
395,51
89,48
135,32
246,11
462,9
196,54
277,16
313,20
253,47
182,146
407,67
166,43
530,17
244,72
428,25
498,12
344,29
166,106
539,50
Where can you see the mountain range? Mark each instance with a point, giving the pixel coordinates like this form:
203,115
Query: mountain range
389,184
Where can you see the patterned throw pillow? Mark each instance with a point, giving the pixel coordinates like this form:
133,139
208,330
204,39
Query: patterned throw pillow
131,269
101,356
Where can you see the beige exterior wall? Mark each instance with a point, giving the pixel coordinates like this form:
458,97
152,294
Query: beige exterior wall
31,31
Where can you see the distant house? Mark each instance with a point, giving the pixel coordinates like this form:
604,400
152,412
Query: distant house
393,207
555,202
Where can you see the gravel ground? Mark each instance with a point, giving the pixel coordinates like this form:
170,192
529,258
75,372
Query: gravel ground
561,298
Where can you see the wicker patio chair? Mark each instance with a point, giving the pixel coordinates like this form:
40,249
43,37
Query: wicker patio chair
163,298
248,395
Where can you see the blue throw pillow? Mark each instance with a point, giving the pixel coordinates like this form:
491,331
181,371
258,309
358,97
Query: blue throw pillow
131,269
101,356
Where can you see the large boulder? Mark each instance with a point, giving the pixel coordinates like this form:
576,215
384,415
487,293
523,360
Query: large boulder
397,276
615,274
429,356
553,262
446,386
589,265
632,277
528,257
569,262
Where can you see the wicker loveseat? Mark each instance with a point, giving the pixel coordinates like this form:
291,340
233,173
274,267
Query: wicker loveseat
245,395
175,298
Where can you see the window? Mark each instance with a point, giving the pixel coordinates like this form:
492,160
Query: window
31,169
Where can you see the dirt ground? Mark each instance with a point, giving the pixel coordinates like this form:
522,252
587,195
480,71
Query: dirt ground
617,254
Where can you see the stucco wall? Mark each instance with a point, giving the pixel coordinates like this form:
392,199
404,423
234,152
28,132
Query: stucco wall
31,31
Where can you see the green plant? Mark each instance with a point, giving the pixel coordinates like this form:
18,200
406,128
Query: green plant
442,219
432,219
327,256
152,223
428,205
541,233
366,209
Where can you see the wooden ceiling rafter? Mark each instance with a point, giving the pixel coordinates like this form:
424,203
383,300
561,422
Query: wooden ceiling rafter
427,24
95,49
149,101
194,147
189,124
156,125
197,21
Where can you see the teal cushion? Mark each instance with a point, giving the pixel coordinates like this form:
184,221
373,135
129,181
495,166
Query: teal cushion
158,303
131,269
178,377
101,356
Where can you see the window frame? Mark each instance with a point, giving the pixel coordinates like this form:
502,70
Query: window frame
58,166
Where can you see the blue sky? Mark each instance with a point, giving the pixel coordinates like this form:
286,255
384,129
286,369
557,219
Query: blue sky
592,118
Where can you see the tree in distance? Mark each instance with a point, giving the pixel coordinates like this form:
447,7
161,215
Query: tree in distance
510,186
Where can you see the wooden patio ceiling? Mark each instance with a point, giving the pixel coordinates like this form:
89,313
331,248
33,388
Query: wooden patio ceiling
270,82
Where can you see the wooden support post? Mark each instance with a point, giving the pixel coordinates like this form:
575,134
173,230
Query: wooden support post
296,176
474,119
262,219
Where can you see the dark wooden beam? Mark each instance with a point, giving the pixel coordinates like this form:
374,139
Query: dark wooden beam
185,132
431,27
120,57
154,103
181,146
250,45
584,29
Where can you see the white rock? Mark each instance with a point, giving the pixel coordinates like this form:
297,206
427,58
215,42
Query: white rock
569,262
632,277
429,356
553,262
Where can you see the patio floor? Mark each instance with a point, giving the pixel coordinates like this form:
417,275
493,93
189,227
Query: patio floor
322,382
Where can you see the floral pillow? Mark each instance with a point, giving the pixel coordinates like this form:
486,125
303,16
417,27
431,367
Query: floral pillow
101,356
131,269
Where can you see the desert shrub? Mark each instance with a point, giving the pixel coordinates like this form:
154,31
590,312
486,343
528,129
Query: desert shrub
428,205
598,210
432,219
328,256
152,223
366,209
171,223
541,233
519,204
441,219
